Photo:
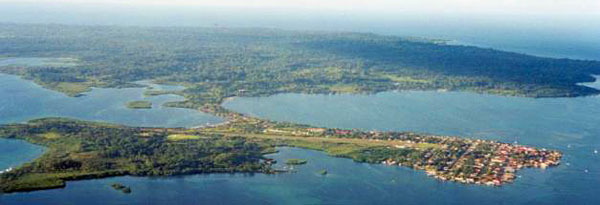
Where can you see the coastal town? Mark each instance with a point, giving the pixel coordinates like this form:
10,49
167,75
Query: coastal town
495,168
463,160
456,159
447,158
87,150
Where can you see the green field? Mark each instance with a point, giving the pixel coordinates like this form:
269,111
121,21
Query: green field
179,137
139,105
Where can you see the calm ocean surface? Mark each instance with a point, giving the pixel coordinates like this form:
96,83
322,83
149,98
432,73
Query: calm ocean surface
22,100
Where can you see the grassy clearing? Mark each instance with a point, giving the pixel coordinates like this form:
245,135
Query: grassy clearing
344,88
72,89
141,104
50,135
405,79
179,137
333,145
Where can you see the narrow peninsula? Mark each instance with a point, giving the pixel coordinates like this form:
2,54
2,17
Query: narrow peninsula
85,150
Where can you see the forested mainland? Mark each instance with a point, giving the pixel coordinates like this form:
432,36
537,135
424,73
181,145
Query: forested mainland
216,63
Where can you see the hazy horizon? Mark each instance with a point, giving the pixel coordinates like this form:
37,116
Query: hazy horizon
546,28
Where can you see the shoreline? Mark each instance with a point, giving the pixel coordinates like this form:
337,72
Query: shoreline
233,119
466,162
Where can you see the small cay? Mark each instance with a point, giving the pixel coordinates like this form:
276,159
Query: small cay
121,187
295,162
141,104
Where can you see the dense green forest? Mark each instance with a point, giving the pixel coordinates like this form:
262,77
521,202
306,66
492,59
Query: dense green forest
215,63
83,150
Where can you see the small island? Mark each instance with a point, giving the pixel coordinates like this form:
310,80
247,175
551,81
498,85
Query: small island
295,162
121,187
140,104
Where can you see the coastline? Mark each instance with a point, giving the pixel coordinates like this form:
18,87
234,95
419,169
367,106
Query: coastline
501,160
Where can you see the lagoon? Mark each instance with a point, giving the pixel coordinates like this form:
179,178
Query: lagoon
23,100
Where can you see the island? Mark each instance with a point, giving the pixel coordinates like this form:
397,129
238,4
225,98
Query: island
121,187
81,150
295,161
141,104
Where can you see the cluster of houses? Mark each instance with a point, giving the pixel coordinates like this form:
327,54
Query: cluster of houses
483,162
454,159
462,160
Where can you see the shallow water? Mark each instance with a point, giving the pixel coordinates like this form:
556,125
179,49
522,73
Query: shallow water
23,100
14,152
